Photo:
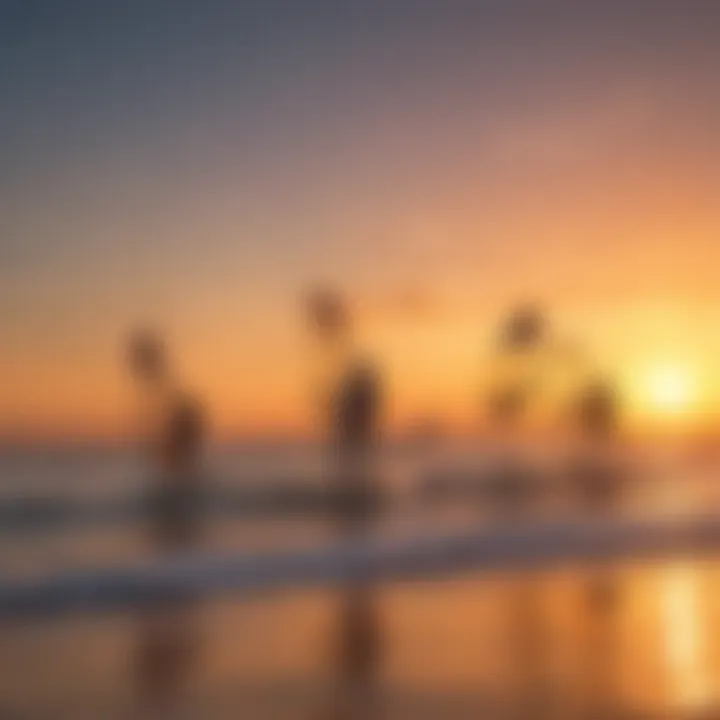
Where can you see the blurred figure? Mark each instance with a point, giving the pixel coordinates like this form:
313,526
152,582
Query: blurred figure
594,474
596,486
518,358
173,437
514,491
525,329
353,408
520,341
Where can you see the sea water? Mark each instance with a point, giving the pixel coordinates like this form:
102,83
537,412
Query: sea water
482,644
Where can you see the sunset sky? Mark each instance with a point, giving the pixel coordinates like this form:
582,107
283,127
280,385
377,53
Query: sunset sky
196,166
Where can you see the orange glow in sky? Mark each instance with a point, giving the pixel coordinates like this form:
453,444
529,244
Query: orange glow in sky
437,164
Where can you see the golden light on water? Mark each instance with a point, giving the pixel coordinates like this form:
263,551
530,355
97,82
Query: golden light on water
684,640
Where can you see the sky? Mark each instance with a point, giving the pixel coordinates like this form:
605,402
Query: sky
196,166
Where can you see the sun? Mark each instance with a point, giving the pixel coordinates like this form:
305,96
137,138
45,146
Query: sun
670,389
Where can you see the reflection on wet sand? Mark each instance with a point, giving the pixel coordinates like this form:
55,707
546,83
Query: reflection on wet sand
684,640
445,653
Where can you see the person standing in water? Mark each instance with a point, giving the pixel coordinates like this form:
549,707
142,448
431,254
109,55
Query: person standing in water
353,412
596,485
595,475
173,436
514,494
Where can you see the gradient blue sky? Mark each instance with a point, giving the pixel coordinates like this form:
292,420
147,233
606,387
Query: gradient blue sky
197,164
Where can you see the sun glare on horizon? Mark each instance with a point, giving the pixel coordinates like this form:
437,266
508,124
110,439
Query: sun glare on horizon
670,389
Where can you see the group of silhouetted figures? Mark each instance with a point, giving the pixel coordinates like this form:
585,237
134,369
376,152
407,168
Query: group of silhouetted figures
169,643
169,647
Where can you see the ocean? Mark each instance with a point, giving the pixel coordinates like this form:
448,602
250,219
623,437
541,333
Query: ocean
497,645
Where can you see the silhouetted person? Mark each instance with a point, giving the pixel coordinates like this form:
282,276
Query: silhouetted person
513,487
596,484
524,330
513,490
167,650
353,419
595,476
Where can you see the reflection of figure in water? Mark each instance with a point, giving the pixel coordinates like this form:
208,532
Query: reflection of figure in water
353,427
167,648
596,486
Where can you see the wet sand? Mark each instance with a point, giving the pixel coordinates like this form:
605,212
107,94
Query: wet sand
451,651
